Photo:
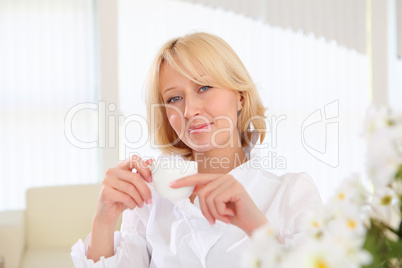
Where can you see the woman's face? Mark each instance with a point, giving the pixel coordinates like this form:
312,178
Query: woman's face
203,117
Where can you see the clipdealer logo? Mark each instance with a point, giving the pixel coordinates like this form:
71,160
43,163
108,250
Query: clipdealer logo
320,134
114,130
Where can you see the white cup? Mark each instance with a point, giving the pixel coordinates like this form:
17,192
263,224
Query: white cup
165,171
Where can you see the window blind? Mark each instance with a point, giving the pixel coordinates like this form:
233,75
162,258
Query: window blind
46,68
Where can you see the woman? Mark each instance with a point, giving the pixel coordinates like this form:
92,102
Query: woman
206,104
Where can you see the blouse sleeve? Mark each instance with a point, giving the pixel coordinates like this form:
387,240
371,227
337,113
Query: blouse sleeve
130,247
296,197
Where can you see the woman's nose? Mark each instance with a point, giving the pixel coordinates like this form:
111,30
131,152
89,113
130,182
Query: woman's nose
192,107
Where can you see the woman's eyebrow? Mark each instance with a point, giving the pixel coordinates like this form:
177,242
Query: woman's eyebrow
168,89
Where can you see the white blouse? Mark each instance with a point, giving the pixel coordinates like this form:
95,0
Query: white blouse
165,234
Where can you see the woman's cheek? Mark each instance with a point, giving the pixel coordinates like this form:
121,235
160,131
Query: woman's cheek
175,121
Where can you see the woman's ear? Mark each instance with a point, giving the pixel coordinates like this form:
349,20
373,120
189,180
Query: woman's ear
240,102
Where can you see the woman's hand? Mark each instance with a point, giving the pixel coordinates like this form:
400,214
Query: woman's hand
121,189
223,198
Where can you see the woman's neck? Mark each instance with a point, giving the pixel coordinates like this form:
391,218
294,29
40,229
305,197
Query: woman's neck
219,161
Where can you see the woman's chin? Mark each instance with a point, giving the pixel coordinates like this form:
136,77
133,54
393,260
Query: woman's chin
204,144
201,148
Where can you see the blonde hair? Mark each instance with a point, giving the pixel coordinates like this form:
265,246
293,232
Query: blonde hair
193,56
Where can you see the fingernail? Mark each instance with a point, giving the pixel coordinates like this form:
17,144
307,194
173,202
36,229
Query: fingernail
149,201
172,183
150,178
211,222
149,162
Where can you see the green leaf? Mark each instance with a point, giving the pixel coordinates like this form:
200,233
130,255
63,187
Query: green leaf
381,248
395,249
399,231
398,175
376,244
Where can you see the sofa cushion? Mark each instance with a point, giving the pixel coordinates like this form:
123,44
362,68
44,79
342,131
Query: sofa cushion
58,216
12,235
47,258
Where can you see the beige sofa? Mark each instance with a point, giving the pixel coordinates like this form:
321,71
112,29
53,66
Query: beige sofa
54,219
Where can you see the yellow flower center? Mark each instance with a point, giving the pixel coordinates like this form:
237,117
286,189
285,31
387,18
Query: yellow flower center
257,263
315,224
341,196
320,263
351,224
270,231
386,200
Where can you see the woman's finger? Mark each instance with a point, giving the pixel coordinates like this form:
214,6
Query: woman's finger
205,210
225,202
202,194
132,178
136,162
225,208
206,196
118,197
137,181
149,161
126,188
214,200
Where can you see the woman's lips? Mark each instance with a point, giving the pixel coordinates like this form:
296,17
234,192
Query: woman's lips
199,128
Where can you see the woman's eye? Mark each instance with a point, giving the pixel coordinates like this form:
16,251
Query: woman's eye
173,99
204,88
